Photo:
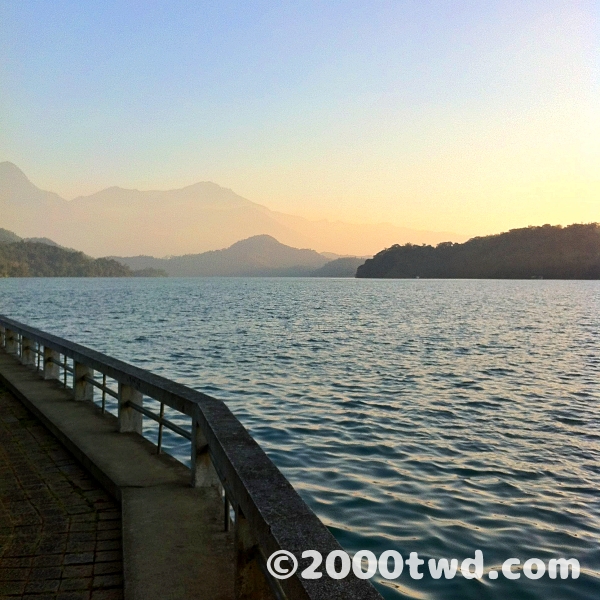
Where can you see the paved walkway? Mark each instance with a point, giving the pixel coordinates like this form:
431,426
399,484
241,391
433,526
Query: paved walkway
60,533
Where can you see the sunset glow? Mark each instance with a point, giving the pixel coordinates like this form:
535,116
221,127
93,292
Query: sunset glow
449,116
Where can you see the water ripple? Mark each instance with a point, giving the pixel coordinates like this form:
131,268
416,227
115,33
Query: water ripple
429,416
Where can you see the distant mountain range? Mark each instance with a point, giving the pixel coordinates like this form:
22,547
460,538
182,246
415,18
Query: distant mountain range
547,252
260,255
194,219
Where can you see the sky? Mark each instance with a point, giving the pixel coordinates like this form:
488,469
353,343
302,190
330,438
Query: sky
465,116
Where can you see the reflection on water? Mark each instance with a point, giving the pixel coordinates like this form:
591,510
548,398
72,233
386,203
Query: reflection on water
431,416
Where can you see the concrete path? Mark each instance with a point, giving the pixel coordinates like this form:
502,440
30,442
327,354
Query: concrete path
174,546
60,533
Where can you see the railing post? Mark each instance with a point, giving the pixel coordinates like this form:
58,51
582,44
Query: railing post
250,581
27,351
2,336
12,342
82,389
203,471
129,418
51,369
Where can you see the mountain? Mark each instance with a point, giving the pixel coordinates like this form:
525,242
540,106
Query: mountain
41,257
194,219
8,237
260,255
43,240
334,256
33,259
340,267
546,252
15,187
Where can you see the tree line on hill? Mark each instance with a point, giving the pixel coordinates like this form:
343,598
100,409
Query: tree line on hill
41,257
35,259
258,256
548,252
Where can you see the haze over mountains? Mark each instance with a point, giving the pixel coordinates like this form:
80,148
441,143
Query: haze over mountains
261,255
191,220
258,256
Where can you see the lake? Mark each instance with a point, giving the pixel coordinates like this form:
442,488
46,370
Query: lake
434,416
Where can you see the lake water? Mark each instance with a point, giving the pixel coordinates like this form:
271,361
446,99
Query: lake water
430,416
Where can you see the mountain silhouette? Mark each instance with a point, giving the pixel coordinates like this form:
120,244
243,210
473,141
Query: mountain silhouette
545,252
193,219
260,255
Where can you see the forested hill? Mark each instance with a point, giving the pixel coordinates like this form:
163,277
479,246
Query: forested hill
549,252
34,259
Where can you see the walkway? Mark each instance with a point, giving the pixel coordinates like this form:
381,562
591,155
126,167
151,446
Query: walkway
60,533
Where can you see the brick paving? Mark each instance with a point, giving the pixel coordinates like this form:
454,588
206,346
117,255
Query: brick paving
60,533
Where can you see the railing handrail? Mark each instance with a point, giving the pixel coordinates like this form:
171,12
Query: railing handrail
276,514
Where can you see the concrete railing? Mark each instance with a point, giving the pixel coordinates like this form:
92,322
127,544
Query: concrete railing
267,513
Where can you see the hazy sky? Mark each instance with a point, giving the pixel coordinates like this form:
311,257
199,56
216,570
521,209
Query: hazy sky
471,117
